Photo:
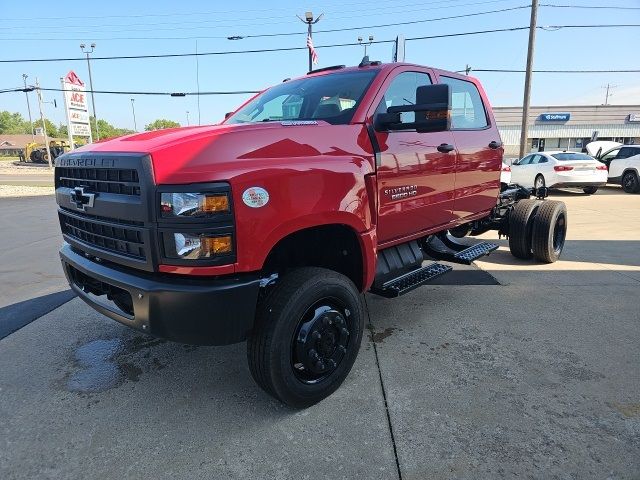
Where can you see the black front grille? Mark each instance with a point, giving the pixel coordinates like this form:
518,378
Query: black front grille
115,238
123,181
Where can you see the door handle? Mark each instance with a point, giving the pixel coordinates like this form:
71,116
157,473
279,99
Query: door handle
495,144
445,147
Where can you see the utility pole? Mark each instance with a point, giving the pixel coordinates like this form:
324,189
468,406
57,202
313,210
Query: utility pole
133,109
44,125
26,94
308,19
607,95
188,124
93,100
524,131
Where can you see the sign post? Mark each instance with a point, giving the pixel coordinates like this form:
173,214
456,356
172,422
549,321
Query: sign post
76,108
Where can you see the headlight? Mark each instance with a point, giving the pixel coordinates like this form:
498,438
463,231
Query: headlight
193,204
194,246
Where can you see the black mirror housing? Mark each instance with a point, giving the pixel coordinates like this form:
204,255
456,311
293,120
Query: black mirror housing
227,115
432,109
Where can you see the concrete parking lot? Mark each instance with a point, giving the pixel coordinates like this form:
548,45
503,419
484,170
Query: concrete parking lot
536,377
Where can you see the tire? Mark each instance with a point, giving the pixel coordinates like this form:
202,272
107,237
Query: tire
549,231
307,311
36,156
520,228
539,181
630,183
590,190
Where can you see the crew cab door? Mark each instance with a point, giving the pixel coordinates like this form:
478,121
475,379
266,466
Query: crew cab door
416,170
476,136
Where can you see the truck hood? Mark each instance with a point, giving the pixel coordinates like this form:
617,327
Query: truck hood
222,152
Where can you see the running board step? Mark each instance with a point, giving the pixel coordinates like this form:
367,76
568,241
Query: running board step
410,281
474,252
443,247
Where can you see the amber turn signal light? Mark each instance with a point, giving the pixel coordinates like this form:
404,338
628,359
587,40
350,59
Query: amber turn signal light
217,245
214,203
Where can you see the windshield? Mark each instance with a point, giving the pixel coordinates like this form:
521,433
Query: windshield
333,98
571,156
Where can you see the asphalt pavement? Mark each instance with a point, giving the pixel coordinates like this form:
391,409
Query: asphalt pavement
534,375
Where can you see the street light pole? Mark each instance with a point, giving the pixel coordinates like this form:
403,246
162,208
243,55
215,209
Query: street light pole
188,124
524,131
308,19
133,109
26,94
93,100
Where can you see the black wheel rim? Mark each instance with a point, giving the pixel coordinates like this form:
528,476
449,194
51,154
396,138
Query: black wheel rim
629,181
321,340
559,233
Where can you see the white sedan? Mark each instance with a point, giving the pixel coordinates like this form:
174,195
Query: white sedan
560,170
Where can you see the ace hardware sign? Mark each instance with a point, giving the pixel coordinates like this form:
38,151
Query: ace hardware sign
75,101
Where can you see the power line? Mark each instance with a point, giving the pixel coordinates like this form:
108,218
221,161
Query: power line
501,70
283,34
284,49
118,92
246,92
173,15
589,7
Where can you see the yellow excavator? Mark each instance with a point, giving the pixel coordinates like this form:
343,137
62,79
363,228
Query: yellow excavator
37,152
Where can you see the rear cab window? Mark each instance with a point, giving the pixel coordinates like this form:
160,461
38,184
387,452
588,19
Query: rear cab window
467,110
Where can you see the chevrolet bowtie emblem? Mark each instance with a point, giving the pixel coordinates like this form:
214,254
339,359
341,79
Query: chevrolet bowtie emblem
81,199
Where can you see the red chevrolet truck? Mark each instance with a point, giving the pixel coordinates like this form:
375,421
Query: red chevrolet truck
270,226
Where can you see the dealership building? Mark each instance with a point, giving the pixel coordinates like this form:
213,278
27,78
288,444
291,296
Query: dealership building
568,127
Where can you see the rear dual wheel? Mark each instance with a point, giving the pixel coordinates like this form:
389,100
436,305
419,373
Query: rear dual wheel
538,229
307,336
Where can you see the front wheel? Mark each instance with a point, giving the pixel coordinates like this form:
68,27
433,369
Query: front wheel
307,336
590,190
539,182
630,183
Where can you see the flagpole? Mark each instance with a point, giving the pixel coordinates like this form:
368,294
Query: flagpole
308,19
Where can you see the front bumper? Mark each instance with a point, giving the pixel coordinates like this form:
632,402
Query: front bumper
211,311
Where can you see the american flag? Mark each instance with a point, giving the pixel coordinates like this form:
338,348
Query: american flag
314,55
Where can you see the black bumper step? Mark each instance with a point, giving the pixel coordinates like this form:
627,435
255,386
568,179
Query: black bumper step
409,281
474,252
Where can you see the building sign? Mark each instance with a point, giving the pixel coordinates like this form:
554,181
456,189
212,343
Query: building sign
634,118
554,117
77,109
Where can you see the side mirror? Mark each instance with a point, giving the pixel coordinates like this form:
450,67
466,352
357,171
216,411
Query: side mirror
432,112
227,115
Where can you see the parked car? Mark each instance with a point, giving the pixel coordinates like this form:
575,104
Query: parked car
560,170
623,162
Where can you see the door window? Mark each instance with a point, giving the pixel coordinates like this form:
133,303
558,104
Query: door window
402,91
611,155
526,160
626,152
467,109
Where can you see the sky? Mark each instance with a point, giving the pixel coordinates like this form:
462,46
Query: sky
56,29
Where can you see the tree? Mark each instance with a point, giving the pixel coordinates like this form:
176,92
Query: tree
13,123
161,123
52,130
107,130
